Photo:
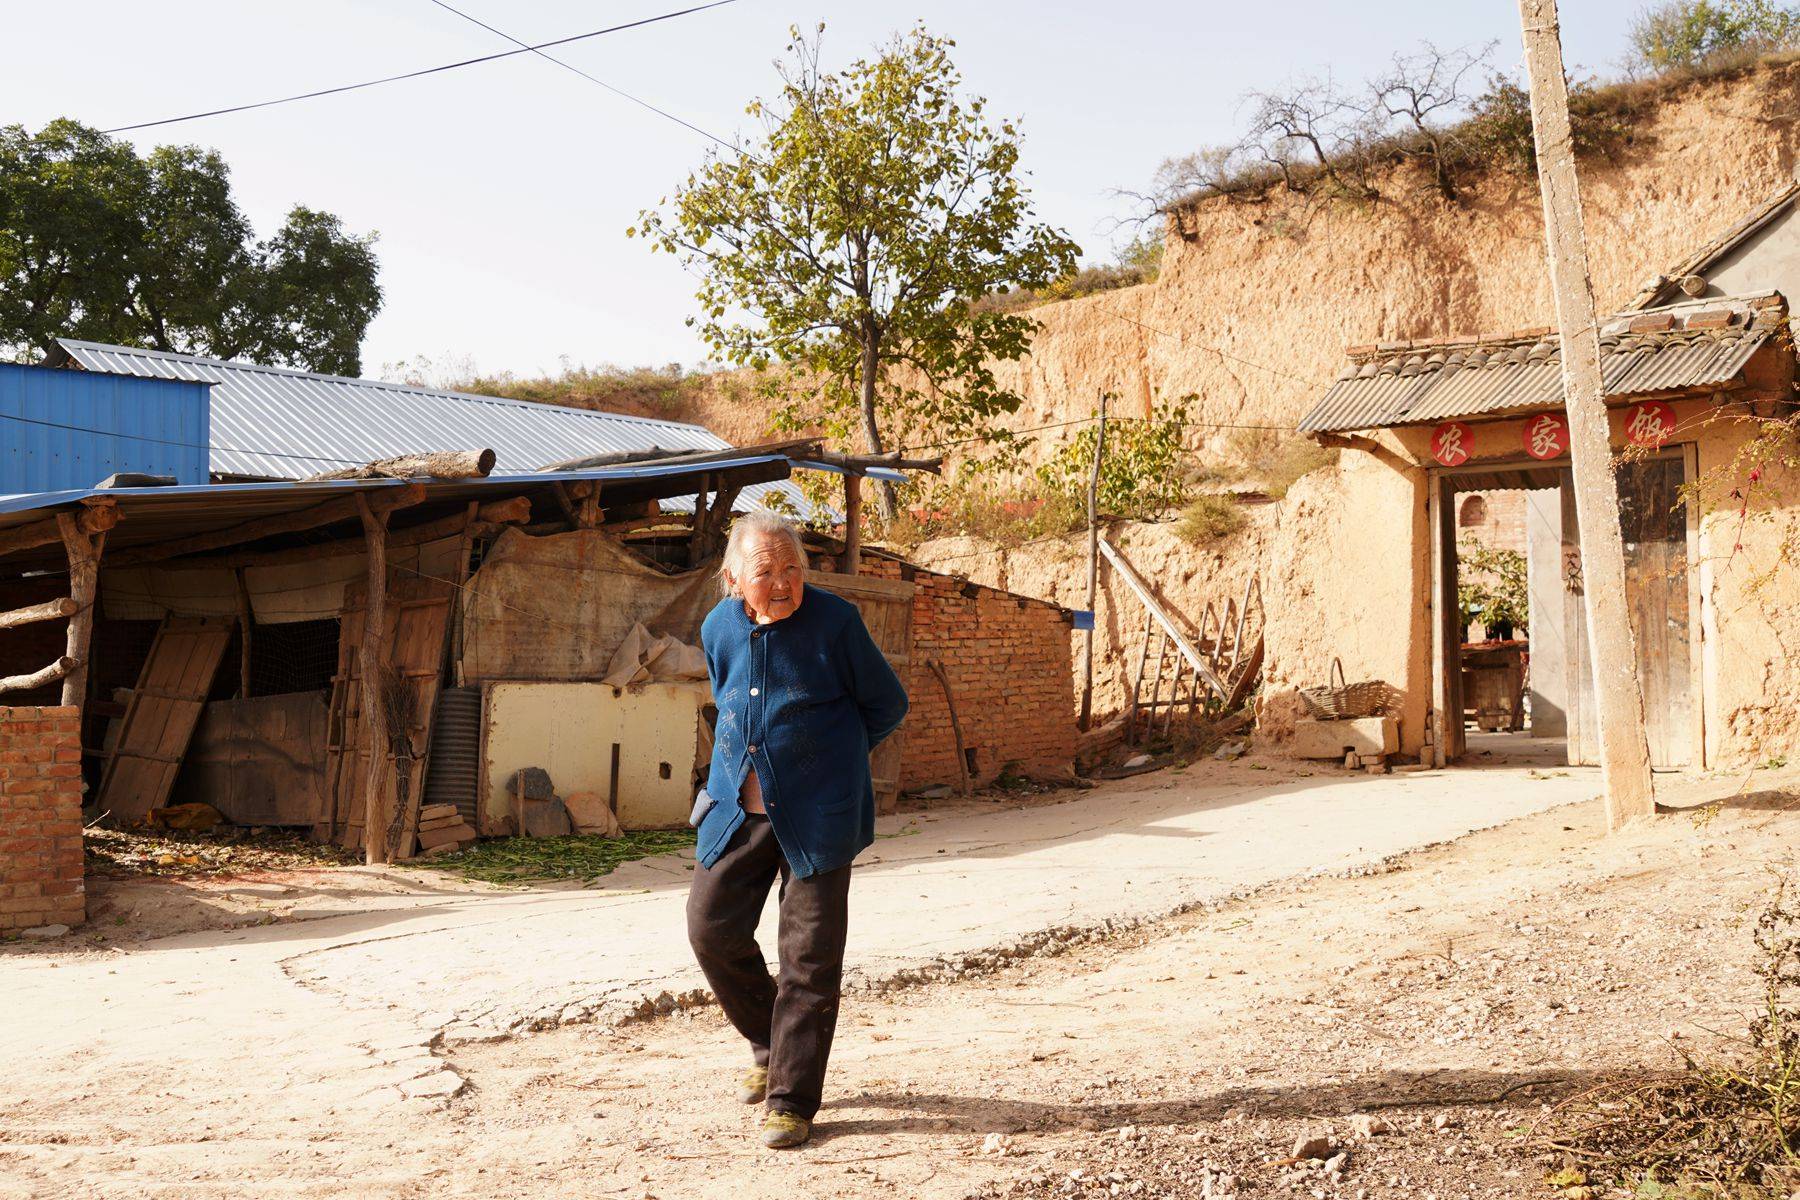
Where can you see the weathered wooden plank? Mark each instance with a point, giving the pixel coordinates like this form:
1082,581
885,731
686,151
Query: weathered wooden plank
160,717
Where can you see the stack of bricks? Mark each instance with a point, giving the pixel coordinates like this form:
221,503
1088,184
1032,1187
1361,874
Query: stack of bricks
1008,659
40,818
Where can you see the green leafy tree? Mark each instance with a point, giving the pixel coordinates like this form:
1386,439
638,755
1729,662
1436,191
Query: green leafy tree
852,238
1140,473
98,242
1688,33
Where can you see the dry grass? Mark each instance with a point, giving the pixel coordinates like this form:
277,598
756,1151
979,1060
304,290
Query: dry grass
1718,1128
1208,519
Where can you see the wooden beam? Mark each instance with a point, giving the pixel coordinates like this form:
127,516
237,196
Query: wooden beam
440,464
853,532
342,508
374,719
491,518
57,670
590,515
97,518
83,550
564,502
246,620
891,460
49,610
793,447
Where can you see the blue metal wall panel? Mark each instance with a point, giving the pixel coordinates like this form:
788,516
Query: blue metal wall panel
71,429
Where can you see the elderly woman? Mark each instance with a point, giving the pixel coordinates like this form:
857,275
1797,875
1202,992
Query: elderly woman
803,694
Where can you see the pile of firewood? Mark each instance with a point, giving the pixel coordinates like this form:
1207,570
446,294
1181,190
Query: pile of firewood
442,829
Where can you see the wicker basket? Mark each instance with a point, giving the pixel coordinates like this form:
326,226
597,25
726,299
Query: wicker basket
1338,701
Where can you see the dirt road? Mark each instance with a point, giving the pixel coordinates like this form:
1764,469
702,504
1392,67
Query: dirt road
1447,993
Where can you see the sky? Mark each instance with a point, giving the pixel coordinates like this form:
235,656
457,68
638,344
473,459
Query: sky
501,192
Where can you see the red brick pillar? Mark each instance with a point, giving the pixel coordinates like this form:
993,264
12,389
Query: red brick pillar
40,818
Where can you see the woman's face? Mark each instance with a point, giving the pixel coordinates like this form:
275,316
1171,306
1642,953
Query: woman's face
771,580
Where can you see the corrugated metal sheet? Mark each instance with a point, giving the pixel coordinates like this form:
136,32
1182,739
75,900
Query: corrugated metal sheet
154,515
1510,381
453,776
273,423
68,429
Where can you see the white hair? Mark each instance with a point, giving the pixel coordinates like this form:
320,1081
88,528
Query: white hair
753,525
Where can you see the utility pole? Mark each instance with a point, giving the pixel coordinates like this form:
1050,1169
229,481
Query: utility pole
1624,749
1093,498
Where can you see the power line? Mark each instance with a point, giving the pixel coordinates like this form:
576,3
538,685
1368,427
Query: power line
568,66
467,62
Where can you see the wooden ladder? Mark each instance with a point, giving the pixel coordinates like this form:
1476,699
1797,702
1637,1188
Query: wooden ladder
1222,661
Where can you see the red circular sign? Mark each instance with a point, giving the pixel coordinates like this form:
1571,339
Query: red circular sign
1547,436
1452,443
1649,424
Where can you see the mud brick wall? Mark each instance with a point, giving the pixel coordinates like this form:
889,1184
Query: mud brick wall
1008,661
40,818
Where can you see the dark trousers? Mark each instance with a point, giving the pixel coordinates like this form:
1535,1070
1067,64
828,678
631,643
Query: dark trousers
788,1020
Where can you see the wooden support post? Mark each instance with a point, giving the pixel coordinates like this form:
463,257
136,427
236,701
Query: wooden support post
84,587
853,523
374,718
245,620
697,536
1618,698
1093,516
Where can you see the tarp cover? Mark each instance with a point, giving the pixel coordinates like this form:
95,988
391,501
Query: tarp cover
561,607
646,658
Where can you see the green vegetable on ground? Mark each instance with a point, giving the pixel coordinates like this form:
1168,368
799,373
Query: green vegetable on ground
539,860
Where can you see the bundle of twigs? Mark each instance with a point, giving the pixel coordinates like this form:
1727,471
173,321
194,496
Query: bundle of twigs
400,710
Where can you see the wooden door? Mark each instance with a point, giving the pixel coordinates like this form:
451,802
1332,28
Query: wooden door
887,609
416,625
160,717
1653,521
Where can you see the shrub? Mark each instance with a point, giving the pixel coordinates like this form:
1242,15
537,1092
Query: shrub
1140,475
972,506
1696,34
1714,1128
1208,519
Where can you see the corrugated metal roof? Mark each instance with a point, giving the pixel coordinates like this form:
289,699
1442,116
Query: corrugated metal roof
1696,344
155,514
275,423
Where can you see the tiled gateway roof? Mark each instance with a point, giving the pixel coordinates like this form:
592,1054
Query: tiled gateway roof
1693,344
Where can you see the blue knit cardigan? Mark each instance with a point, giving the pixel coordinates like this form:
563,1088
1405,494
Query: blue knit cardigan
804,698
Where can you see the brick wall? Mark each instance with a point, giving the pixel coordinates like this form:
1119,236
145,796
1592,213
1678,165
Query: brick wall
40,818
1008,662
1492,519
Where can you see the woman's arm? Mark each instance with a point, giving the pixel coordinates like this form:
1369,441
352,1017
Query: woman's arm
878,692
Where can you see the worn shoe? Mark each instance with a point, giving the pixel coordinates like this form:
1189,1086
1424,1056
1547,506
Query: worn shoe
754,1085
784,1130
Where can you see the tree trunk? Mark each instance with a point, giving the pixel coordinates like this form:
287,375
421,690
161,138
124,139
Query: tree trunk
871,366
